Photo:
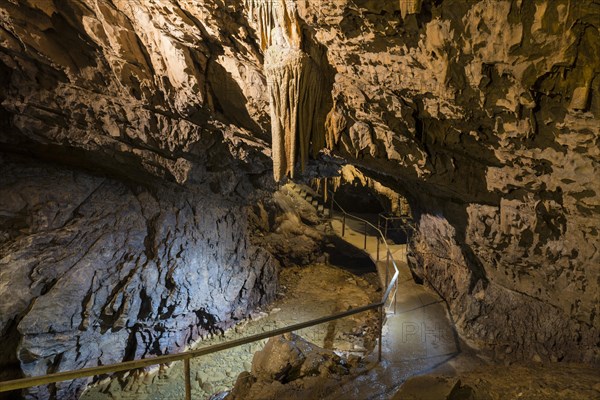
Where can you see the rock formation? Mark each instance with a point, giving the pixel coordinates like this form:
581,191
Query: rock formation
95,271
289,367
487,115
294,82
483,114
388,198
123,218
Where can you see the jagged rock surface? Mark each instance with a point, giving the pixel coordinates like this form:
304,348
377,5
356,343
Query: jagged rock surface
98,269
290,367
147,86
289,228
101,271
488,115
484,112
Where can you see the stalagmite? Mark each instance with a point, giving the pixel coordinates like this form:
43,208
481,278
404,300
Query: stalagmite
334,126
294,83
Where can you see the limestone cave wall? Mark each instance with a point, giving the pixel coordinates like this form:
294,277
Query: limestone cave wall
148,86
147,125
487,114
95,271
132,141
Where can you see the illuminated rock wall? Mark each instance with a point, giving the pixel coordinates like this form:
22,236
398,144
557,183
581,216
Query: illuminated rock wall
487,114
123,227
484,114
97,271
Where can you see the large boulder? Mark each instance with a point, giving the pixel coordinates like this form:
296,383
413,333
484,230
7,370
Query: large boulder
292,368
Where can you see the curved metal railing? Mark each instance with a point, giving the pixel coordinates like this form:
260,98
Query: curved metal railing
393,284
185,356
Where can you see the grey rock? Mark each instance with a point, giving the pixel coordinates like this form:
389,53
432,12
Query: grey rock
285,362
118,271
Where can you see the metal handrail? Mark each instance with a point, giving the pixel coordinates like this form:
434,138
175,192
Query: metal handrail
169,358
389,255
185,356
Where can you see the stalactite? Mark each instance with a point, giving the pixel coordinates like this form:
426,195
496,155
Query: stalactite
294,82
283,68
268,15
408,7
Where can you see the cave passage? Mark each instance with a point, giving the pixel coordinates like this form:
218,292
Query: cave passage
165,169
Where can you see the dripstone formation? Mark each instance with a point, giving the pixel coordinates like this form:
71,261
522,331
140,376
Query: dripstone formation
294,82
135,133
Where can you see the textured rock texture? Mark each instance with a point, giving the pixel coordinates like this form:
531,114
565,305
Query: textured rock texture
289,228
148,86
487,114
95,271
152,249
290,367
484,114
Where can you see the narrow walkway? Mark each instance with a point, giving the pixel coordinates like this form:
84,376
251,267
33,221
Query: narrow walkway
311,292
417,338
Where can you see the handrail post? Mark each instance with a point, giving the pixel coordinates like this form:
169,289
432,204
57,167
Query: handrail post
365,245
377,248
395,294
387,261
386,226
387,267
331,208
343,224
380,331
188,383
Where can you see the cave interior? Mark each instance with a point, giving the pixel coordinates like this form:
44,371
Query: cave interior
179,174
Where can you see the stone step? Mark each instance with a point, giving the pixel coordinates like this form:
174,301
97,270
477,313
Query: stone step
315,201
